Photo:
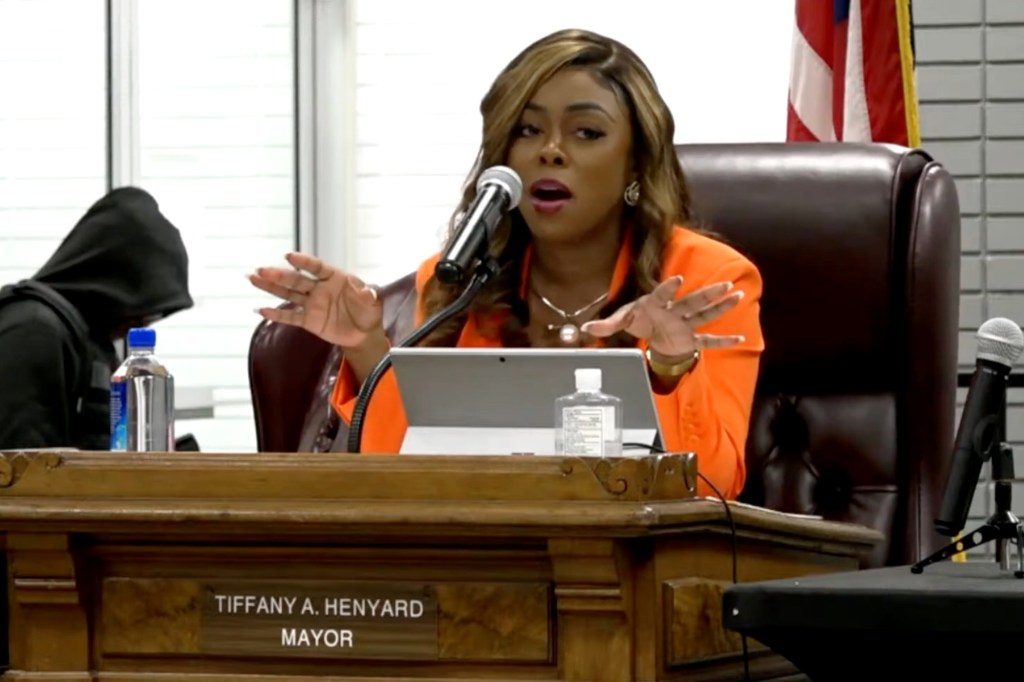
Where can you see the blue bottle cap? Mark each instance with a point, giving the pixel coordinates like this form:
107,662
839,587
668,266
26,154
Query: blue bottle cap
142,338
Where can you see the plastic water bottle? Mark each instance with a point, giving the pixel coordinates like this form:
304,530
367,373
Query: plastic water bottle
142,399
588,422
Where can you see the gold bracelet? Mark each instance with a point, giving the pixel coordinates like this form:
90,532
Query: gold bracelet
676,370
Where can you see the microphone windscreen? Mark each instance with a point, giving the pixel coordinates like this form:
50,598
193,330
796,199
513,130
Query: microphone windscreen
1000,340
505,177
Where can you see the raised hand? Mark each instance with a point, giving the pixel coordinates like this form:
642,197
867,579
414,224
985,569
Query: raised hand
334,305
670,325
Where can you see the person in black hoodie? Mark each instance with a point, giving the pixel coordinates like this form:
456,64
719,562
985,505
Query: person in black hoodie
123,265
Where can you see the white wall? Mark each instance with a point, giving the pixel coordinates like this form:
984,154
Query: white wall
422,67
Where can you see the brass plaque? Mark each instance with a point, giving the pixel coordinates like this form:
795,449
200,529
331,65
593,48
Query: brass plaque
311,619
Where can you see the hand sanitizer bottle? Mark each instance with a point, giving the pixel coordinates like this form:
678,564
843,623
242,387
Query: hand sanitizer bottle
588,422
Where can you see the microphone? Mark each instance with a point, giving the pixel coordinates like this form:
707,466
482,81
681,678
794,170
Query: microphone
498,190
980,433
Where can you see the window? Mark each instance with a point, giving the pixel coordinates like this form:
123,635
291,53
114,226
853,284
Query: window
216,132
53,159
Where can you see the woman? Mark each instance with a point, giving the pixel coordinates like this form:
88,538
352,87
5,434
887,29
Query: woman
598,252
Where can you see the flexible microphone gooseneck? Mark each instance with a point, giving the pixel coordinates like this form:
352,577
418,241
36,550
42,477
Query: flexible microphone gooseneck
499,190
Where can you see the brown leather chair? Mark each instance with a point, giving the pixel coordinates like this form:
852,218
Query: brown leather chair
859,247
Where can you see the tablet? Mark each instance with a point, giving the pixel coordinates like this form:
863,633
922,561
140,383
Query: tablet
490,401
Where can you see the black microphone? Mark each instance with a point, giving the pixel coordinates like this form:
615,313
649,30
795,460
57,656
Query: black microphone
498,190
981,430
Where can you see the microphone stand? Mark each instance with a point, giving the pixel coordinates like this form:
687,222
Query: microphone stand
1003,526
485,270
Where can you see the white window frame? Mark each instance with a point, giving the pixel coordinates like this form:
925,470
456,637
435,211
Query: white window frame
123,153
325,80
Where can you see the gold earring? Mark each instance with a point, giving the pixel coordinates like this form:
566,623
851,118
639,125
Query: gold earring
632,194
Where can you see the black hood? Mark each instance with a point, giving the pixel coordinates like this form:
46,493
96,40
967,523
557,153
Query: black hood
122,263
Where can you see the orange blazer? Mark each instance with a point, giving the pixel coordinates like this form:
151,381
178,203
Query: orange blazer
708,412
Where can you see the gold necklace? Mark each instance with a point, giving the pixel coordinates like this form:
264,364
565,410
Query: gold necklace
568,331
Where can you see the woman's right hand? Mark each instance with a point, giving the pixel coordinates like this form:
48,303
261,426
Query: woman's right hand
336,306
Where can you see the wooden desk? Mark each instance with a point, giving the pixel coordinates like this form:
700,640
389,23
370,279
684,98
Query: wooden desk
194,566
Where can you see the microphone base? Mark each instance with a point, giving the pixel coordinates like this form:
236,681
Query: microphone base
1003,531
1003,526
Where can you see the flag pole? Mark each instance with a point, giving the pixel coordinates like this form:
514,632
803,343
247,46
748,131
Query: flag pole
905,24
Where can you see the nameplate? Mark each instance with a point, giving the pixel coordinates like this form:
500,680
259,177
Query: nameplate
320,619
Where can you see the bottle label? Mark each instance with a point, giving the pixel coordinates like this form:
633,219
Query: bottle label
119,416
587,428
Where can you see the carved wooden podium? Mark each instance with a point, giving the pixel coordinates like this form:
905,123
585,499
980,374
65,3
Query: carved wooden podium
193,566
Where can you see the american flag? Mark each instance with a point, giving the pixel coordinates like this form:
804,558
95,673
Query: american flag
852,73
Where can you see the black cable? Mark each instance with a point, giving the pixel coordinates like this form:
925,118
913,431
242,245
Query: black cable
486,269
732,532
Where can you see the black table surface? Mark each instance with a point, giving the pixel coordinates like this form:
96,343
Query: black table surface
972,597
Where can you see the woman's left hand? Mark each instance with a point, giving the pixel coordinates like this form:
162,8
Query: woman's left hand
671,325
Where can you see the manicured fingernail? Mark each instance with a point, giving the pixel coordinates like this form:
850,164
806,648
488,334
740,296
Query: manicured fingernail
373,292
728,286
739,294
743,339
